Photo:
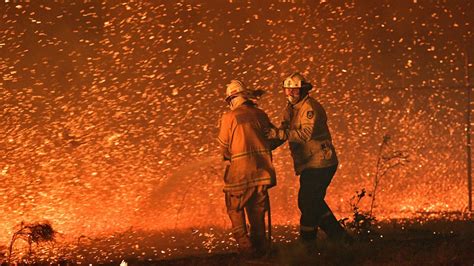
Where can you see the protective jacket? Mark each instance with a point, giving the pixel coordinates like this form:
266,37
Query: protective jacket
308,135
242,137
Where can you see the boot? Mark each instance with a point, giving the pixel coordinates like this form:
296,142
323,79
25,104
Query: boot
308,236
259,244
334,229
246,250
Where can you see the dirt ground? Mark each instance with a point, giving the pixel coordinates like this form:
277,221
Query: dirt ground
425,240
396,242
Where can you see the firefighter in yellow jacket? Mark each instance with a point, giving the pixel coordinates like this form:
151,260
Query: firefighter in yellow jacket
251,172
305,128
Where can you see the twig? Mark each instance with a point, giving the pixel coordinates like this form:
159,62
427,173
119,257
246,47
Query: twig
384,164
377,169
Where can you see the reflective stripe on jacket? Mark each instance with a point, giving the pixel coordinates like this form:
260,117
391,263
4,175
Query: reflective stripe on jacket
243,141
309,137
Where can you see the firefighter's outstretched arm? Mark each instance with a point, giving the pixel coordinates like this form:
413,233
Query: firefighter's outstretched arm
275,137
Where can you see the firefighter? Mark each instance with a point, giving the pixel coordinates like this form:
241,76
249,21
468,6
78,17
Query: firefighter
305,128
250,172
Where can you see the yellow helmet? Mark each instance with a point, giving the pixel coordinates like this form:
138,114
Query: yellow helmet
235,87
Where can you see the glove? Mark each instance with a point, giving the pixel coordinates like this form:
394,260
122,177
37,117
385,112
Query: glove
276,133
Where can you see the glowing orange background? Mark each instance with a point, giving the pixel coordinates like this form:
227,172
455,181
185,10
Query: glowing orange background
109,111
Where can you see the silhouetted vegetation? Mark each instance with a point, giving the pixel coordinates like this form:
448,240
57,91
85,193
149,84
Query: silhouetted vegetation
362,222
34,233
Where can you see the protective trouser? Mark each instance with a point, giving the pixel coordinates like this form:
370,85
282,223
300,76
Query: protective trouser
314,210
252,201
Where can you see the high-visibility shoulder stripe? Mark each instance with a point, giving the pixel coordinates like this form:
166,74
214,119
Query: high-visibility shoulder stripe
249,153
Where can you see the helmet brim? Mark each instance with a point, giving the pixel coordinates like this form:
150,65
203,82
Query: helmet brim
241,93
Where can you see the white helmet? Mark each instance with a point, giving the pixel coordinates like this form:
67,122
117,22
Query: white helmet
295,80
235,87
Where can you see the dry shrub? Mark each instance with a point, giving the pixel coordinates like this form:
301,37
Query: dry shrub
32,233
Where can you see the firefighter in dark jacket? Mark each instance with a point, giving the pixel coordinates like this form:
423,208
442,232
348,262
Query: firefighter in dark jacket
250,173
305,128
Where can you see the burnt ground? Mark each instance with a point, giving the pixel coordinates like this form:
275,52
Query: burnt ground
397,242
417,241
